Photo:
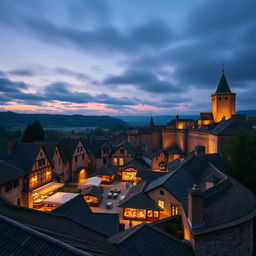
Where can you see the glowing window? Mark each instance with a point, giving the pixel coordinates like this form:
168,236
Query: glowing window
161,204
115,162
121,161
174,210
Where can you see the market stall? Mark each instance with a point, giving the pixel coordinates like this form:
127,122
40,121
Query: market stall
57,199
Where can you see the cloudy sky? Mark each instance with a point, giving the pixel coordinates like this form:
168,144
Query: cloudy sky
120,57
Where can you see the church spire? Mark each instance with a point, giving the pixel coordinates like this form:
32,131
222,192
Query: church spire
223,84
151,123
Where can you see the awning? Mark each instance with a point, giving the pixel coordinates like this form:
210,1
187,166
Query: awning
93,181
47,188
60,198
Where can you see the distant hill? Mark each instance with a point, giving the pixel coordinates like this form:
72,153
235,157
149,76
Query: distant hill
159,120
20,121
247,112
164,119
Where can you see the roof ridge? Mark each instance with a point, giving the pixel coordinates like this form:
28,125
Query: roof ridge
40,235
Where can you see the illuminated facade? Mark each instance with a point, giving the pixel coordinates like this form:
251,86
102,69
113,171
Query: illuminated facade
129,174
187,133
223,101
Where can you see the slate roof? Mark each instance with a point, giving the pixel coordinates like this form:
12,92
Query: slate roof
134,151
3,150
19,240
228,127
137,199
94,147
148,175
223,85
9,172
145,240
192,170
173,149
61,228
24,155
67,148
49,147
137,164
94,191
78,210
227,202
206,116
108,170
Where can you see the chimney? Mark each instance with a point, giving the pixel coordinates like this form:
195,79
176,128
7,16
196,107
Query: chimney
10,145
195,206
200,151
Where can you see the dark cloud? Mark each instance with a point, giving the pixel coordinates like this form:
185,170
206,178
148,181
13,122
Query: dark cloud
59,91
7,85
142,80
77,75
21,72
105,38
156,59
2,74
219,16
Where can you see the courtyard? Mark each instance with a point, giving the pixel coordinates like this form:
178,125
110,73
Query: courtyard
115,209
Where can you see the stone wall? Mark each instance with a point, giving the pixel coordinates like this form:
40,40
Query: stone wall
235,241
168,138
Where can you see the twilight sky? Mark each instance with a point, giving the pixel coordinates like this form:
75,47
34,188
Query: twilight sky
120,57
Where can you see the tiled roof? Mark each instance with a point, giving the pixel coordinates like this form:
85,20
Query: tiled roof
137,164
145,240
94,191
223,85
3,150
9,172
224,203
190,171
108,170
228,127
206,116
78,210
94,147
24,155
173,149
61,228
19,240
67,148
49,147
137,199
148,175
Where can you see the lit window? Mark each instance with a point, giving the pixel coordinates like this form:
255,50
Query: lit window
115,161
174,210
161,204
121,161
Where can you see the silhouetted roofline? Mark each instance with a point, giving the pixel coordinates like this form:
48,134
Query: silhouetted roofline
223,85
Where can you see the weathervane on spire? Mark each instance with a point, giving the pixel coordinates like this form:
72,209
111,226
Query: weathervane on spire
222,68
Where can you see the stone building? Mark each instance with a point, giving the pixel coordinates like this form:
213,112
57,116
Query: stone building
216,210
211,130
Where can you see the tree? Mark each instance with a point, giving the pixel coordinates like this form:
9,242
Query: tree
33,132
240,152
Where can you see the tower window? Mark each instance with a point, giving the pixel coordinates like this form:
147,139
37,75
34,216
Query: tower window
226,98
219,98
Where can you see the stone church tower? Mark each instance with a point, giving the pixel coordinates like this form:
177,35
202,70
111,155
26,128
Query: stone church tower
223,101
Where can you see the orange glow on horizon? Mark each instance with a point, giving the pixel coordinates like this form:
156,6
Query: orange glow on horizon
60,108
